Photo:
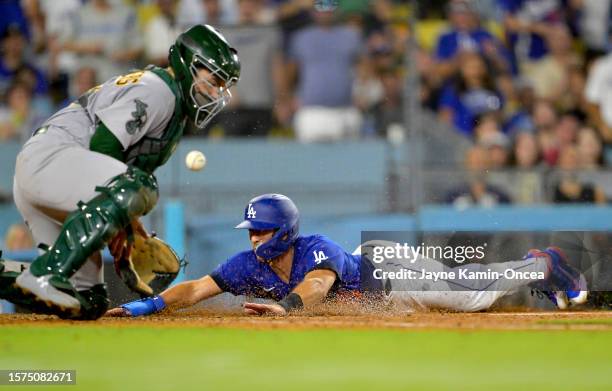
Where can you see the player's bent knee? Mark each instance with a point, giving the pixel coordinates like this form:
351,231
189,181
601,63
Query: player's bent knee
474,301
128,196
134,193
87,230
461,301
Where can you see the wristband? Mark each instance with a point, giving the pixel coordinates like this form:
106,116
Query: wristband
145,306
291,302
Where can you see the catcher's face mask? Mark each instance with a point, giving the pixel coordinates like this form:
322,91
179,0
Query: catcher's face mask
205,67
209,90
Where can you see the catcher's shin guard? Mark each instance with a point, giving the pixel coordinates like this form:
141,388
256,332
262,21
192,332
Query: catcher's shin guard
95,223
84,232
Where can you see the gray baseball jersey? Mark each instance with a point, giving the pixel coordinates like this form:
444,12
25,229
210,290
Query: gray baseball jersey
131,106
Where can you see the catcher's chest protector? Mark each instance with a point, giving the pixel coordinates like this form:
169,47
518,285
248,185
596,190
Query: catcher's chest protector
150,153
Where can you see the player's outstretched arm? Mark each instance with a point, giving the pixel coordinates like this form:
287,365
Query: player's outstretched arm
311,291
189,293
181,295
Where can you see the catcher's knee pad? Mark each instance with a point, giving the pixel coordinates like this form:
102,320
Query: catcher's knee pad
88,229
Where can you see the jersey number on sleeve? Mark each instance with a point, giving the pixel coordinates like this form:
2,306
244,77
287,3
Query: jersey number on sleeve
129,78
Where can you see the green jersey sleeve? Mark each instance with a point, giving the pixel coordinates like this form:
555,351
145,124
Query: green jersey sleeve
105,142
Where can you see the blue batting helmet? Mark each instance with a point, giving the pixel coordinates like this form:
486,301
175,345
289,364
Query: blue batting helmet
272,211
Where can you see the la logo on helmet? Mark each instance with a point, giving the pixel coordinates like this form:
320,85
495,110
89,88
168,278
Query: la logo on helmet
251,213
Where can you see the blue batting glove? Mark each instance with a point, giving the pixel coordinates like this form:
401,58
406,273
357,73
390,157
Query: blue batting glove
145,306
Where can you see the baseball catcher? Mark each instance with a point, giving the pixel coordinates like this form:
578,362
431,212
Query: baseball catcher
84,178
300,271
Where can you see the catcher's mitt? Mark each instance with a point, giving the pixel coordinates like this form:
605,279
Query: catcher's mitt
150,268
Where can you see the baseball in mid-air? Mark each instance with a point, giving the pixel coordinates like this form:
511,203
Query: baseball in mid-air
195,160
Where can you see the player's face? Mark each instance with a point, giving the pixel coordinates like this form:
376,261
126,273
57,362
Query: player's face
208,84
208,91
258,237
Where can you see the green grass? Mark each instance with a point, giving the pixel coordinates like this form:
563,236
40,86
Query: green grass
140,358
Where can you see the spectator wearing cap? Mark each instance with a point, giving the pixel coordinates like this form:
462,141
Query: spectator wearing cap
13,60
467,35
471,94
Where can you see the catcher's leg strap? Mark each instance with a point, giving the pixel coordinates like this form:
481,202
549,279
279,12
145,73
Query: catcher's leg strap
88,229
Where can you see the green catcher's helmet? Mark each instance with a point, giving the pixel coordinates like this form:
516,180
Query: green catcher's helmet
203,47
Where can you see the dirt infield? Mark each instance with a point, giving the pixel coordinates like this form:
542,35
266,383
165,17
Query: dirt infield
507,320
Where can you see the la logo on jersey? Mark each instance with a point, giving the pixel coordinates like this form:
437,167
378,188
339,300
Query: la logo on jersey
319,256
251,213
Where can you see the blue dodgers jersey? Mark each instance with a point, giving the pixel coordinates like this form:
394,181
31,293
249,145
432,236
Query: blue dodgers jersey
243,274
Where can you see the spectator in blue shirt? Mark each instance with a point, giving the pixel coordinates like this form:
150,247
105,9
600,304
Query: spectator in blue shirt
13,60
527,22
13,15
470,95
467,35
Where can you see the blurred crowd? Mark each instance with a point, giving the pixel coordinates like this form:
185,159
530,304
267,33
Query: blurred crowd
528,82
